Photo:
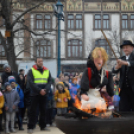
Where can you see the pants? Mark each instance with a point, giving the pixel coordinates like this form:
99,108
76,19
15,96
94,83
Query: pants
49,116
20,118
126,99
10,117
0,122
61,111
37,101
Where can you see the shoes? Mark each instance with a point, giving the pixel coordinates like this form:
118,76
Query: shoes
7,132
48,125
21,129
30,131
45,129
53,125
1,129
13,131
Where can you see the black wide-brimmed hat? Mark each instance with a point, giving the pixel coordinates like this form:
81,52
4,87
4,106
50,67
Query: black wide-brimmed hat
127,42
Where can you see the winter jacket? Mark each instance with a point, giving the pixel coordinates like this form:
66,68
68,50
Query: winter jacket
1,102
36,88
5,76
95,80
62,95
21,95
73,90
11,99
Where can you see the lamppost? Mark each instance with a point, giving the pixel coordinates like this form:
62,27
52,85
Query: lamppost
58,11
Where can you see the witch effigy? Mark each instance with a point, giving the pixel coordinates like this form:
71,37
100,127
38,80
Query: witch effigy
97,84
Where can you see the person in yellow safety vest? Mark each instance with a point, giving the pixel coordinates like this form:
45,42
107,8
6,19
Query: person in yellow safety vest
39,81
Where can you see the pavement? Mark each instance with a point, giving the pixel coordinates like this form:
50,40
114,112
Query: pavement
53,130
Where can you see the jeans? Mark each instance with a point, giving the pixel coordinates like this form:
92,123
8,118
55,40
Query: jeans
37,101
20,118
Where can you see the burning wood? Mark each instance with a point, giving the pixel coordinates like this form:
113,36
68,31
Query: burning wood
89,112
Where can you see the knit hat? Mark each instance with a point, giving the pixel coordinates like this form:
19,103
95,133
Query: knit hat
6,66
11,79
6,84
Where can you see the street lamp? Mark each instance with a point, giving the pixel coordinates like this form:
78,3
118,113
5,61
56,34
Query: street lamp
58,11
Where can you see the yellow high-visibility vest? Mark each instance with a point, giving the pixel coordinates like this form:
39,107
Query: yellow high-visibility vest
40,78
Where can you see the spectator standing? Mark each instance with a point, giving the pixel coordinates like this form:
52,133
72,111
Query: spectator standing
17,88
1,106
66,81
8,72
39,80
79,79
49,108
73,90
22,78
11,106
61,96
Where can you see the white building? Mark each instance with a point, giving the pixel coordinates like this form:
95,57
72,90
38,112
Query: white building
80,32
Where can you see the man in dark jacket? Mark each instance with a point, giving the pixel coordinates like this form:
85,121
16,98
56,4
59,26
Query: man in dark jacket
8,72
39,80
125,66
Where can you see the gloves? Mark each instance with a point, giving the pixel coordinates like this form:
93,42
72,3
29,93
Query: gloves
59,100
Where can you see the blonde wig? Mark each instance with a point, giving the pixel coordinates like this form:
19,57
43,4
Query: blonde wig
103,53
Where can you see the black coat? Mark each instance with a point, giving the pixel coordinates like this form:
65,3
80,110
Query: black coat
5,76
130,73
95,80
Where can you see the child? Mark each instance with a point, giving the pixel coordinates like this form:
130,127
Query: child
73,90
11,105
1,106
61,96
17,88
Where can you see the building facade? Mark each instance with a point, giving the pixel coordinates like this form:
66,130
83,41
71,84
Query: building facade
80,31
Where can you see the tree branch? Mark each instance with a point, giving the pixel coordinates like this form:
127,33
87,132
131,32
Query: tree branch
28,10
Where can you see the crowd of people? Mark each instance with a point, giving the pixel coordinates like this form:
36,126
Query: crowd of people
18,101
39,97
15,99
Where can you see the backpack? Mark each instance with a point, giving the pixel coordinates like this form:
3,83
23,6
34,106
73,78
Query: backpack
90,75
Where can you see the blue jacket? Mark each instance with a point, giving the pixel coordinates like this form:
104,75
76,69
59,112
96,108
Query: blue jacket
73,90
21,95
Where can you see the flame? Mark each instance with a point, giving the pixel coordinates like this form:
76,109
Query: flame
100,108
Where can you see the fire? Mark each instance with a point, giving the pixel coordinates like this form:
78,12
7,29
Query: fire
99,110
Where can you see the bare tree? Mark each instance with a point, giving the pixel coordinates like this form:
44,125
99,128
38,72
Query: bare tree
8,43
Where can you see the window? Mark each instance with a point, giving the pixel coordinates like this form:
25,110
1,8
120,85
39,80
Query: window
2,50
74,48
103,43
97,21
43,48
124,21
106,21
70,21
132,22
39,22
47,22
78,21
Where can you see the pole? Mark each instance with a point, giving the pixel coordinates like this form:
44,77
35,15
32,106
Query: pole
59,62
109,44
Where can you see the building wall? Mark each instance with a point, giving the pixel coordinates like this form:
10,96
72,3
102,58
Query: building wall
88,35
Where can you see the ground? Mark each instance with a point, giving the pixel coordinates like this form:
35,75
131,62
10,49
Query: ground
53,130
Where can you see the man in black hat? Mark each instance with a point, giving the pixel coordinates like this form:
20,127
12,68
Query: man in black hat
125,66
